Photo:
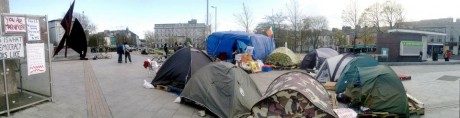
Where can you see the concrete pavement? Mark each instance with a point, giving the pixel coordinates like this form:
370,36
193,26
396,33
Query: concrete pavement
121,88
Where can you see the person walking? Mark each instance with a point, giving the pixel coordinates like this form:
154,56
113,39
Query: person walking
120,52
127,53
165,48
420,56
448,54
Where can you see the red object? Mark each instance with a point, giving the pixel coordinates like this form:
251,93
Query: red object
146,64
267,66
448,54
403,77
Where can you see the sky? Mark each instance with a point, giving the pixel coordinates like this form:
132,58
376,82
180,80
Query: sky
141,15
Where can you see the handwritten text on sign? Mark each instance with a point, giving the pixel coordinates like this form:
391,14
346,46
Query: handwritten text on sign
14,24
33,29
35,58
11,47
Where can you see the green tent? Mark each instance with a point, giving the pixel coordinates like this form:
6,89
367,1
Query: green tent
224,89
380,90
351,69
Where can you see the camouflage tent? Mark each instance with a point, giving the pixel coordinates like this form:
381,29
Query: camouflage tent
294,94
224,89
380,90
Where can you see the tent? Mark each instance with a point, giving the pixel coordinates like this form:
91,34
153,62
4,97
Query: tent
224,89
180,66
350,71
288,52
331,69
223,43
294,94
316,57
380,90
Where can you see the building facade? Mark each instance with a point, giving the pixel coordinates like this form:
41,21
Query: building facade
115,37
55,31
180,32
449,26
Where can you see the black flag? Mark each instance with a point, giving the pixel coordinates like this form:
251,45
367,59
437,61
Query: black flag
66,24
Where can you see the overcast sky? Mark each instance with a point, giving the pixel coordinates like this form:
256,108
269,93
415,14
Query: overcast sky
141,15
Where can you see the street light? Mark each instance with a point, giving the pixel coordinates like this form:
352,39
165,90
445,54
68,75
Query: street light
215,19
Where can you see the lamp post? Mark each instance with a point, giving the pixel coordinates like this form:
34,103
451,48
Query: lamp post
215,19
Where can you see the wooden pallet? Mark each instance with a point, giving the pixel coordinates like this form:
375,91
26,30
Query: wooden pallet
415,106
283,68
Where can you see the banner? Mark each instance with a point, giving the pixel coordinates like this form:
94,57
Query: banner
410,48
11,47
33,29
14,24
36,58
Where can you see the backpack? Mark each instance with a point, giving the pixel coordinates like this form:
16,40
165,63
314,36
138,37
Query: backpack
120,49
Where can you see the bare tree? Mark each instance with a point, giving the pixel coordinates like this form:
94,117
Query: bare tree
373,15
392,13
245,18
149,37
316,25
295,17
87,25
350,16
339,38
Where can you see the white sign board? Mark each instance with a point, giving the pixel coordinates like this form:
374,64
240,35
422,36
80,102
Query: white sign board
249,50
14,24
36,58
33,29
11,47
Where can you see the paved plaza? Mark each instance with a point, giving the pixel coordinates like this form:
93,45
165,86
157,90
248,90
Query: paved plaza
105,88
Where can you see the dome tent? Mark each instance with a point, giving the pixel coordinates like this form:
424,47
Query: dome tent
288,52
294,94
331,69
350,71
180,67
316,57
224,89
380,90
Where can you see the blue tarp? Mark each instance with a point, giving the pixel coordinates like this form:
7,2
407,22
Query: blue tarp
222,42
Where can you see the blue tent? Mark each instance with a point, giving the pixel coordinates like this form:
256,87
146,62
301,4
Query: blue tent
223,42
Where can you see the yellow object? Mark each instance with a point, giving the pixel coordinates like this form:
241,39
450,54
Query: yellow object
254,67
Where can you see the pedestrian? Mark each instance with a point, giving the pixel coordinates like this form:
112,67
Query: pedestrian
127,52
176,46
448,54
420,56
120,52
165,48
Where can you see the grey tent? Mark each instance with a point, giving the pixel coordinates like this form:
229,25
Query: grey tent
222,88
294,94
316,57
332,68
180,67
